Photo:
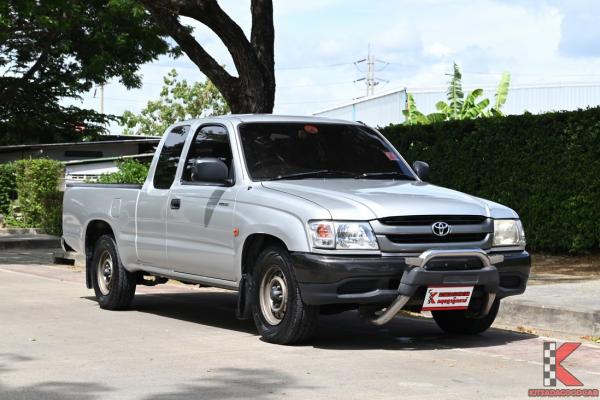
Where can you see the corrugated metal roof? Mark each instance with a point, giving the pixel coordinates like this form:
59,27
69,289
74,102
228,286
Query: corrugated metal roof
5,149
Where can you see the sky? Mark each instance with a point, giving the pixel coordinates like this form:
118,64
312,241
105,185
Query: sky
317,42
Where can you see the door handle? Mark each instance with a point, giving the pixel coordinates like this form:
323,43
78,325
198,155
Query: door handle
175,204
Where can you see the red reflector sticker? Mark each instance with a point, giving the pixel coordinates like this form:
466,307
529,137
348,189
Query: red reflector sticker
391,156
311,129
439,298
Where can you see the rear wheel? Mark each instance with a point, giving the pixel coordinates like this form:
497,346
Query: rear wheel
114,285
279,313
458,323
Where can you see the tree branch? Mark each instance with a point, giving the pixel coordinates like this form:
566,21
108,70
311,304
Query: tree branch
165,14
254,89
231,34
23,80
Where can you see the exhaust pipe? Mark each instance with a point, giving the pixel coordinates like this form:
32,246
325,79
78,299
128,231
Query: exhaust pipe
392,310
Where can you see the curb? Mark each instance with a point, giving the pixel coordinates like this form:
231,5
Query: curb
29,242
521,313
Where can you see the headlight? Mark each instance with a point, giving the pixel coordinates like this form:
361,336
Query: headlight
342,235
508,232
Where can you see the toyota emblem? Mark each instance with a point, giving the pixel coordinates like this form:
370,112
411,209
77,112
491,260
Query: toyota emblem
441,229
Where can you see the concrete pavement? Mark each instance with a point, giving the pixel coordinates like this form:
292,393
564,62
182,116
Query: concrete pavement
178,342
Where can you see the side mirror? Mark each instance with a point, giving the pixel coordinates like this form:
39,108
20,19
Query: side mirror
210,170
421,169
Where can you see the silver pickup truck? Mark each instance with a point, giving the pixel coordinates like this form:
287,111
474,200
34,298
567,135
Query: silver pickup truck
301,216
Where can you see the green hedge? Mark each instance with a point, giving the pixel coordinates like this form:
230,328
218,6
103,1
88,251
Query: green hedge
8,187
130,171
39,200
546,167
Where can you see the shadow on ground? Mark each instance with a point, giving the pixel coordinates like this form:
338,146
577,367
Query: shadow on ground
344,331
226,383
236,383
10,362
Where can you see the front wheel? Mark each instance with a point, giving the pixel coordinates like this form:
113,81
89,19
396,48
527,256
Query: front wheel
114,285
278,311
458,323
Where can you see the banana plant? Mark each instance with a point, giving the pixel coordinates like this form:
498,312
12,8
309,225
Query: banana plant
411,114
455,92
501,94
458,107
471,107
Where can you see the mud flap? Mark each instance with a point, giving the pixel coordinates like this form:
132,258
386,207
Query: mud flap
88,270
242,311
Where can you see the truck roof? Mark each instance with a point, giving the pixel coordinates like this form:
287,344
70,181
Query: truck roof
241,118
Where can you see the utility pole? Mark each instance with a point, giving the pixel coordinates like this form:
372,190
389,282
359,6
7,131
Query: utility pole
102,98
370,79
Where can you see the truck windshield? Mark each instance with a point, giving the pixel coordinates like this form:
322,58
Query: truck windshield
305,150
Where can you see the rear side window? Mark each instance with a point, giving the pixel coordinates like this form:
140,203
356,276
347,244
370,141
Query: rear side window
168,160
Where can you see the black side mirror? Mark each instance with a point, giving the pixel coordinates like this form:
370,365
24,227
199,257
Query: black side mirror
210,170
421,169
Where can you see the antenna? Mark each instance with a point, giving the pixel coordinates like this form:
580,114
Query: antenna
370,79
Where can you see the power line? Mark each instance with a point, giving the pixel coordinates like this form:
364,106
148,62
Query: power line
313,66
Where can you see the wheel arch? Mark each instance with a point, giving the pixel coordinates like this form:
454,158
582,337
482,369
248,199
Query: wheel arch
93,231
253,245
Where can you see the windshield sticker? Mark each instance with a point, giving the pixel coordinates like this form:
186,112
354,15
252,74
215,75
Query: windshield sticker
391,156
311,129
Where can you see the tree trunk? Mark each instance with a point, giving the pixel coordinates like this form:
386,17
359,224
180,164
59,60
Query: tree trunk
253,90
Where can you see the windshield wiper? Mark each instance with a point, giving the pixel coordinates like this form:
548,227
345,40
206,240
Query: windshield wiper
312,174
300,175
385,175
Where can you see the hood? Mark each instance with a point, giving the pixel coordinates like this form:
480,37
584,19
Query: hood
366,199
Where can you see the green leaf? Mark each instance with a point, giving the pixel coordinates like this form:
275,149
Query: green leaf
470,108
455,92
501,92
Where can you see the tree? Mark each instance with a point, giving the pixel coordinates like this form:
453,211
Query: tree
56,49
459,107
178,101
253,90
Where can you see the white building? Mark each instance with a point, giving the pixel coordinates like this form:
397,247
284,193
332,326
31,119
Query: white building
386,108
86,160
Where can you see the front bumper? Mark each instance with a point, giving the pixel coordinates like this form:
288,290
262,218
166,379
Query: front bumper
379,280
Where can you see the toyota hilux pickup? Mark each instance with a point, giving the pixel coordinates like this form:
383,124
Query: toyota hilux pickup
301,216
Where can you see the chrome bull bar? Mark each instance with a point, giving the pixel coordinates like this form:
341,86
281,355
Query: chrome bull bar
421,261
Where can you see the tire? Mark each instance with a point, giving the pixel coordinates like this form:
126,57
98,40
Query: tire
114,285
457,323
279,313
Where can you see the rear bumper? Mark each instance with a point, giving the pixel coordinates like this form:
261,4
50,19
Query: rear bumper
325,279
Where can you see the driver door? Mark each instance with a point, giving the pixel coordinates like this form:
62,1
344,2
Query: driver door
200,229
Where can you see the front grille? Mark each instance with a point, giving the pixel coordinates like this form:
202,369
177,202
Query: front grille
414,234
420,220
431,238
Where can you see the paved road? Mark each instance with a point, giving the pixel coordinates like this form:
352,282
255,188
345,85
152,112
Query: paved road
176,343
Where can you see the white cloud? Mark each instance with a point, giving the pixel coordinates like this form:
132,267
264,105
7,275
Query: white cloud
535,40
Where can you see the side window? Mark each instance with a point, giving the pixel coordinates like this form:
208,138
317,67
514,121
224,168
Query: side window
210,142
168,160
